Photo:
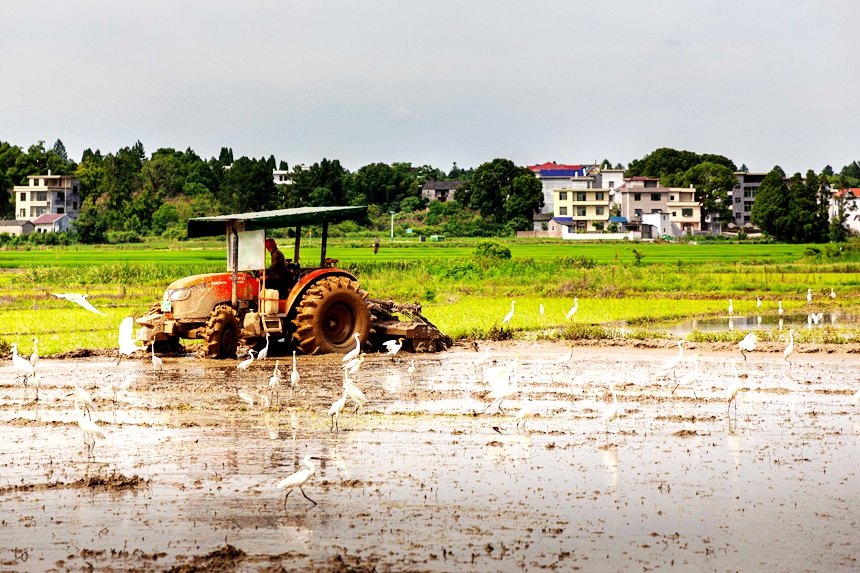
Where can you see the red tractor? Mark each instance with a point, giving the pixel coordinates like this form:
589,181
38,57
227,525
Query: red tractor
319,311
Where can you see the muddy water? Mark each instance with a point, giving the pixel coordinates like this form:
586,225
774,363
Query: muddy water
415,481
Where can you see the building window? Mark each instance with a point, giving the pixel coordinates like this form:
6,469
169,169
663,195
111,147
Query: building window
22,213
657,211
598,226
686,212
656,196
34,182
671,197
23,196
562,195
650,184
637,196
74,188
61,210
61,197
580,211
598,210
40,211
74,205
637,212
580,196
612,184
674,213
41,195
598,196
562,210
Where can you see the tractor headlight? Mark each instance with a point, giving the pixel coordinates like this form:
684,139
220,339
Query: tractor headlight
180,294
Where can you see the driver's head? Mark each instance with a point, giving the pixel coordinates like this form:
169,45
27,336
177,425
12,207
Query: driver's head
270,244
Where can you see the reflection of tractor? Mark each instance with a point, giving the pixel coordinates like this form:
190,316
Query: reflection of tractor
319,310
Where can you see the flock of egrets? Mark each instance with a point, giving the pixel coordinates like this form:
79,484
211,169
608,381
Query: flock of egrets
502,379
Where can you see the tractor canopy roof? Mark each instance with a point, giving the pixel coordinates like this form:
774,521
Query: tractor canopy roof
209,226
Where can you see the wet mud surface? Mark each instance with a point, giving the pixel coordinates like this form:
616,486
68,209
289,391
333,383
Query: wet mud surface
186,477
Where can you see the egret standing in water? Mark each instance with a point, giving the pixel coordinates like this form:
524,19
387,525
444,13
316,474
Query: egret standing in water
790,348
690,377
832,294
612,411
91,431
669,365
393,347
354,352
34,358
510,315
758,302
294,375
298,479
22,365
411,369
731,308
156,361
275,382
780,311
337,407
265,351
243,366
732,390
525,412
748,344
809,296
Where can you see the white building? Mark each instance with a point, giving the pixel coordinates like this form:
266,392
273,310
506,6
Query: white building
47,195
52,223
850,199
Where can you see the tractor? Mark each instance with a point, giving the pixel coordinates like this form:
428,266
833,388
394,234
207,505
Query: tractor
319,310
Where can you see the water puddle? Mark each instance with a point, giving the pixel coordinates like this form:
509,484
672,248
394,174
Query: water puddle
760,322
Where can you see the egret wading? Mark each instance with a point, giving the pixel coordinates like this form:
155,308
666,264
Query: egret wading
612,411
337,407
747,344
264,353
732,390
91,431
243,366
790,348
393,347
355,351
298,479
669,365
294,375
690,377
156,361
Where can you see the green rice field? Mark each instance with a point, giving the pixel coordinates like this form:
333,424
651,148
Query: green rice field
466,297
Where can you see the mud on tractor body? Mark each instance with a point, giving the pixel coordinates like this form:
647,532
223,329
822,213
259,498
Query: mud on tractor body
318,312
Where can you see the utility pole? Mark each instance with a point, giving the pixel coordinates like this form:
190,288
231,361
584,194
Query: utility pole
392,224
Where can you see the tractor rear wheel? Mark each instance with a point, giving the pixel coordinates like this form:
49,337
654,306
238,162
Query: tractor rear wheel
331,311
222,333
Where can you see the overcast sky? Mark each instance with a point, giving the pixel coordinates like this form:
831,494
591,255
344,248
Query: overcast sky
763,82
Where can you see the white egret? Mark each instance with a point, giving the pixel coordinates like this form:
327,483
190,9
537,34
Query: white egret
351,367
83,397
758,302
247,398
541,310
510,315
294,375
612,411
856,398
669,365
731,308
22,365
573,309
790,348
732,390
91,431
411,369
393,347
275,382
264,353
334,411
34,358
832,294
80,299
354,352
809,296
356,394
481,360
690,377
747,344
243,366
525,412
499,382
298,479
780,311
156,361
120,386
127,347
565,358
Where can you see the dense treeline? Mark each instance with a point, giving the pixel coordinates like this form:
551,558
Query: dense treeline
126,195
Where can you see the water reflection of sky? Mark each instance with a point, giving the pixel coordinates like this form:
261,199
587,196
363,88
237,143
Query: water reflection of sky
760,322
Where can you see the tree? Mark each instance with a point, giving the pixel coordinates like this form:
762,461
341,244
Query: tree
838,232
248,187
665,162
713,183
225,158
779,170
385,185
744,168
283,166
60,150
495,183
827,171
769,212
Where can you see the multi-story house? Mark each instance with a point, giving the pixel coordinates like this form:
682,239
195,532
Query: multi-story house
684,210
849,200
47,195
743,196
555,176
442,191
643,202
582,207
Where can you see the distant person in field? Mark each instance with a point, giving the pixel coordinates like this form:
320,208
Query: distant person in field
276,274
376,246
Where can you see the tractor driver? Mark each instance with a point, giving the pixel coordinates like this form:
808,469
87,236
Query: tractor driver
276,274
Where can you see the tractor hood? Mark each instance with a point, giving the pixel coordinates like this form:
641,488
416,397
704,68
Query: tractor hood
196,296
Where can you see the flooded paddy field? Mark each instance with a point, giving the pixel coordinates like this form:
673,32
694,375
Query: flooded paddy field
186,476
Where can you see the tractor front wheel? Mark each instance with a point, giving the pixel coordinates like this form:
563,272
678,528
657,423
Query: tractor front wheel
330,313
222,333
